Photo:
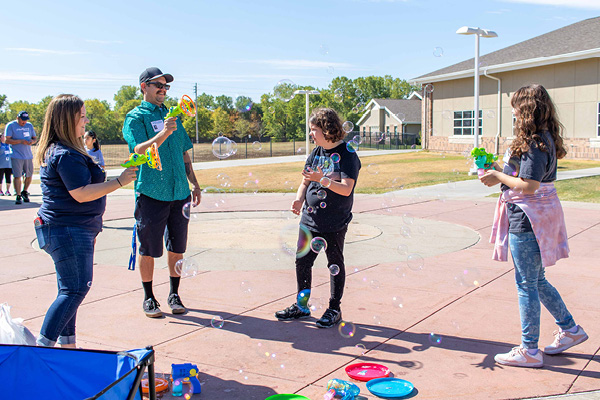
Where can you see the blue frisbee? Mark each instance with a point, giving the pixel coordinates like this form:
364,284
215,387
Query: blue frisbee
390,388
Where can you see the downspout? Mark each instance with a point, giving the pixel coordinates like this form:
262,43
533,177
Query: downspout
498,113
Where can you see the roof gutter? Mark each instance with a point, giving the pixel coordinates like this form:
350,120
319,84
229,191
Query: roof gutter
498,112
522,64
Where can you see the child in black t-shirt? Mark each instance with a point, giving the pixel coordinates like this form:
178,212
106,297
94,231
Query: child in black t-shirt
325,199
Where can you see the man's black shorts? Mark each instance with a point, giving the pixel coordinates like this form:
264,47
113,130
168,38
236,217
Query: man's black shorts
157,219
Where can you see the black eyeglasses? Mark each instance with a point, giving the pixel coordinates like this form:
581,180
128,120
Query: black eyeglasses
159,85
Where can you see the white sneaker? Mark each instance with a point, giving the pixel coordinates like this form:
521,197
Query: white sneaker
520,357
565,339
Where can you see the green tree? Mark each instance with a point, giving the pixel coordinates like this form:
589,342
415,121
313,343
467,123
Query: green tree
224,102
205,124
221,122
126,107
206,101
125,94
103,120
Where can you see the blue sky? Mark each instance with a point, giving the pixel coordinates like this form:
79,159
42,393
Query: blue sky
245,47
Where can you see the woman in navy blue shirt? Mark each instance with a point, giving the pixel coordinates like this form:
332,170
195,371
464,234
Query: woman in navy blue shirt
74,198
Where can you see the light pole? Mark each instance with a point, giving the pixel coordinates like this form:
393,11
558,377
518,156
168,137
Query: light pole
465,30
307,93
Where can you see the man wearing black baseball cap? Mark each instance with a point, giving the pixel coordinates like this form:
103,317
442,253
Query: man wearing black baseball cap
161,194
21,136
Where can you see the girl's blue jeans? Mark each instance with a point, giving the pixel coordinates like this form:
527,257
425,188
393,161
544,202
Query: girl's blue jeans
72,250
533,287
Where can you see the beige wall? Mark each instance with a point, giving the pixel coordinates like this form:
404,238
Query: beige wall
574,87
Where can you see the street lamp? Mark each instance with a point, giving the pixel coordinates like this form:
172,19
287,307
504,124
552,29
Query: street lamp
465,30
307,93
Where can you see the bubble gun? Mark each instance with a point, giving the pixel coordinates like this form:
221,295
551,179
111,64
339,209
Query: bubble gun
185,105
339,387
483,160
186,373
151,157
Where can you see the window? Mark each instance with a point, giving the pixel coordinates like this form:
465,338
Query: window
464,122
396,128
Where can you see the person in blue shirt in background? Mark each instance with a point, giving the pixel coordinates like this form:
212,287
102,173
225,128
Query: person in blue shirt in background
92,146
21,136
5,165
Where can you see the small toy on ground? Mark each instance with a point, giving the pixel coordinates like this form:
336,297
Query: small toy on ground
390,388
185,105
339,387
367,371
151,157
483,159
185,373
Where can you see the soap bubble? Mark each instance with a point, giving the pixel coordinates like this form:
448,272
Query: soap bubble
338,95
389,200
89,284
358,92
317,244
217,322
257,146
405,231
186,267
243,104
321,194
402,249
361,349
435,339
408,219
374,284
233,147
251,186
373,169
330,70
428,88
348,126
401,116
415,262
271,109
491,114
438,52
352,146
334,269
245,287
325,182
224,180
376,320
222,147
322,204
346,329
284,90
310,209
295,241
212,197
398,302
446,114
335,157
324,49
470,277
358,139
186,210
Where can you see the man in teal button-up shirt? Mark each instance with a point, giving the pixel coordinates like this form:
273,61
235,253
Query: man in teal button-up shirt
162,194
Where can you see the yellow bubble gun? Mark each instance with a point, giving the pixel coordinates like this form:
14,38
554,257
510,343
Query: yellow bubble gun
185,105
151,157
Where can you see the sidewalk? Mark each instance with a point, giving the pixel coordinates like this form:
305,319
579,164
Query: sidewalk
458,308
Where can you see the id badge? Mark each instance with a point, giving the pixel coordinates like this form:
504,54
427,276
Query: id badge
158,125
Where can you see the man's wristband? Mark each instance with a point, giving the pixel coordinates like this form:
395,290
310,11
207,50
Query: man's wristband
120,184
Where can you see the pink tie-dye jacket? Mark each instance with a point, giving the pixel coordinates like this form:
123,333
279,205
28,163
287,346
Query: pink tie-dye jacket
547,220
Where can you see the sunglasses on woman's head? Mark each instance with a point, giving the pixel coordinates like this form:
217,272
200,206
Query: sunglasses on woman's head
159,85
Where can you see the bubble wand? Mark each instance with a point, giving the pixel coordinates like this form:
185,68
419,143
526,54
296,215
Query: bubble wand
185,105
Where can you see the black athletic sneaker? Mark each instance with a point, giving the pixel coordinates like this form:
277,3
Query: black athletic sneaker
330,318
175,303
18,200
151,308
292,312
25,195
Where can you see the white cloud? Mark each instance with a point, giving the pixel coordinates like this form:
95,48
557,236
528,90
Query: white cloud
298,64
44,51
23,76
588,4
501,11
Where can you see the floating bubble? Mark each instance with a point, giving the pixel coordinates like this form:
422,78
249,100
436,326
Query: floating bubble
415,262
376,320
348,126
324,49
233,147
470,277
435,339
355,110
257,146
217,322
352,146
360,105
251,186
310,209
317,244
491,114
438,52
402,249
186,210
243,104
361,349
374,284
245,287
330,70
212,197
295,240
380,137
89,284
302,299
186,267
446,114
408,219
338,95
325,182
271,110
322,204
284,90
373,169
401,116
346,329
222,147
389,200
396,184
358,139
421,229
512,167
224,180
428,88
398,302
405,231
400,271
358,93
334,269
300,150
335,158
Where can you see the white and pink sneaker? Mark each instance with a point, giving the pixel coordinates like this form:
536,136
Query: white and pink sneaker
520,357
565,339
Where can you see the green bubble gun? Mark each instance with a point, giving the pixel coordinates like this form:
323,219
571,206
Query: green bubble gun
185,105
151,157
483,159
